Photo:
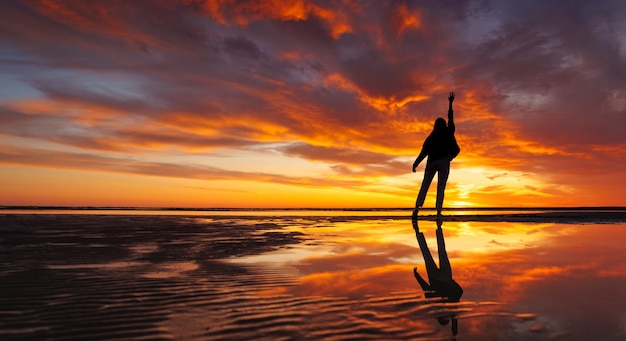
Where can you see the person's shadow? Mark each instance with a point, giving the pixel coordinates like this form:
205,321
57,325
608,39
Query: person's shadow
440,283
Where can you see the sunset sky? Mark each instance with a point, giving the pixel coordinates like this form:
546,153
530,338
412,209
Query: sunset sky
310,103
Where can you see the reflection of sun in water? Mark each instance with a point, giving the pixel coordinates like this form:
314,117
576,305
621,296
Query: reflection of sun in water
466,230
483,237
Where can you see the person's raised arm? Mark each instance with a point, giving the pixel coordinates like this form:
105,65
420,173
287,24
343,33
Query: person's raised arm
451,125
455,326
425,286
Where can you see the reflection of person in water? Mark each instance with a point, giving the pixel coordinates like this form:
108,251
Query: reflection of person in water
440,147
440,278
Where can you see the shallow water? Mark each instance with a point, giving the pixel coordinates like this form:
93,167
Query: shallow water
322,277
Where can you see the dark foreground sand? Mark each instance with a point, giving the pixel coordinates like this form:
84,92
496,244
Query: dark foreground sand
89,277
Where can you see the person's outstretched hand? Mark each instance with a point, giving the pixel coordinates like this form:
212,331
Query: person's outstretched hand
451,97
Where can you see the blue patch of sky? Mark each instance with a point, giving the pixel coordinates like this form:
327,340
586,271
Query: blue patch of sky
14,89
21,74
12,85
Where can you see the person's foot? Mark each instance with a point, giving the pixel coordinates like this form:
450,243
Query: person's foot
414,220
439,219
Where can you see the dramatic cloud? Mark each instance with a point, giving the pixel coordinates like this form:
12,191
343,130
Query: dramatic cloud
347,91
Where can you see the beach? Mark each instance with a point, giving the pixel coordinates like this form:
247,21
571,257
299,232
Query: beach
301,275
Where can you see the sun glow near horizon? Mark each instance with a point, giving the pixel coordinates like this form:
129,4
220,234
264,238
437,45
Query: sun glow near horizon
474,187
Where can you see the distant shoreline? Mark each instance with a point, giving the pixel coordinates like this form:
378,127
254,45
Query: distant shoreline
564,215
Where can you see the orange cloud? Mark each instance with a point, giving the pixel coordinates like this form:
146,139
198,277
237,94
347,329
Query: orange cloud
293,10
404,19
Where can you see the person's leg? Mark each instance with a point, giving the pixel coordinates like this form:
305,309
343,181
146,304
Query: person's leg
429,174
443,168
444,262
429,262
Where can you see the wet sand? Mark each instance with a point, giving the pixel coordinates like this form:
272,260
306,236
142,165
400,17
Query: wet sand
533,276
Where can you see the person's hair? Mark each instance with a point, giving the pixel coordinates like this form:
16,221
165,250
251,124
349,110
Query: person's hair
440,126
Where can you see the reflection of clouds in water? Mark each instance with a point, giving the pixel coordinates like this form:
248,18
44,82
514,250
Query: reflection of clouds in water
529,280
237,278
568,277
542,271
170,270
356,282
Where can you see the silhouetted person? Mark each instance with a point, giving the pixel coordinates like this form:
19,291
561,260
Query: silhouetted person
440,147
440,282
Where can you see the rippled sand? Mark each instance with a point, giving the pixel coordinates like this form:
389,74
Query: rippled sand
304,278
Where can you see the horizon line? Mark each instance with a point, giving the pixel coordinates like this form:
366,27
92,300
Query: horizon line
172,208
